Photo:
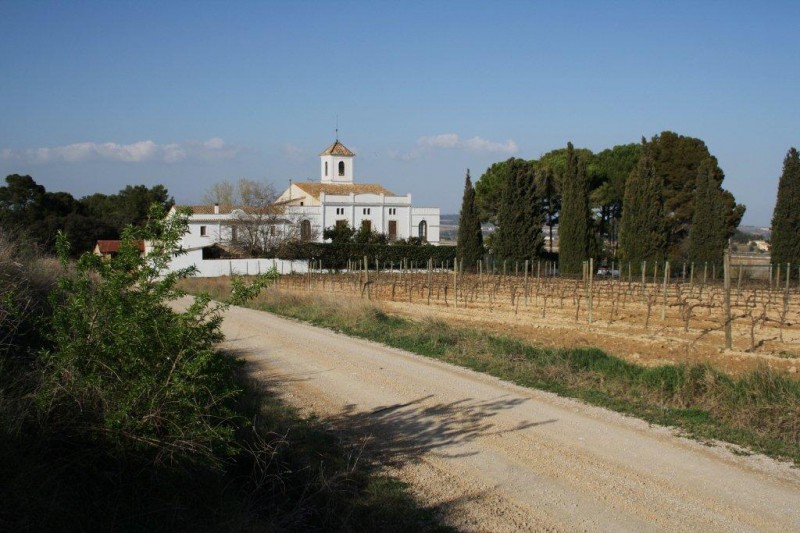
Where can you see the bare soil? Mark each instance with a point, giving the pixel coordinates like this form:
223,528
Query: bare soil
765,323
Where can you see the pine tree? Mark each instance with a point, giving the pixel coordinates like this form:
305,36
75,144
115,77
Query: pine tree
470,238
642,228
786,217
519,216
575,223
707,233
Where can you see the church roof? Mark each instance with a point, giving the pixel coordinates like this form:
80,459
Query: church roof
315,188
337,148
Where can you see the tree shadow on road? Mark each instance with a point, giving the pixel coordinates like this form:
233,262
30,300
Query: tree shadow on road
404,432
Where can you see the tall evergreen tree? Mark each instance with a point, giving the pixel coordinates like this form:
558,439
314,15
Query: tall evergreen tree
643,228
786,217
551,201
470,238
575,222
519,216
707,234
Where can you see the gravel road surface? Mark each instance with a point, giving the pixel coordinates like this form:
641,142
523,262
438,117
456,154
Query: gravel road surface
497,457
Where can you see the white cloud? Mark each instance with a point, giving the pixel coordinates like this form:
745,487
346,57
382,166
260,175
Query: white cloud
138,152
293,152
451,141
444,140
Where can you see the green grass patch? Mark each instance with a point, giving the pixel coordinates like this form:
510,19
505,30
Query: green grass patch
759,411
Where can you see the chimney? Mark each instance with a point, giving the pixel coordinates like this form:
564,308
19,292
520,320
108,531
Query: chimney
216,209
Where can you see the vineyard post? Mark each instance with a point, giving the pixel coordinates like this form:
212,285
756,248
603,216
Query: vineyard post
366,269
480,275
777,277
516,268
691,276
683,276
526,283
504,267
727,302
430,278
786,291
630,275
664,302
589,298
739,285
644,269
655,272
455,282
713,272
705,272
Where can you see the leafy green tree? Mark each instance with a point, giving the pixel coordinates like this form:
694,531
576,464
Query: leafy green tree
130,206
26,208
520,218
677,160
470,236
489,190
643,228
340,233
786,216
575,230
707,234
613,166
145,377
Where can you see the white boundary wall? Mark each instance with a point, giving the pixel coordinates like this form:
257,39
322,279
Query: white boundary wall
212,268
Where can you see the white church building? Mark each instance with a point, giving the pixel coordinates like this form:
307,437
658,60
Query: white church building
306,209
337,198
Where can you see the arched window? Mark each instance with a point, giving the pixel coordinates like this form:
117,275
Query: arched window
326,168
305,230
341,168
423,231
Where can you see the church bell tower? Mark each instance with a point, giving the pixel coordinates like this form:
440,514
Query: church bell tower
336,164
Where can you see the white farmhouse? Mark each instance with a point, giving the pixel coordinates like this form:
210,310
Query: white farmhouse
336,198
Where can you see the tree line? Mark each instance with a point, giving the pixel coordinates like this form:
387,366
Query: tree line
36,215
661,199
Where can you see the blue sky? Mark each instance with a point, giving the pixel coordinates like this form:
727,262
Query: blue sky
98,95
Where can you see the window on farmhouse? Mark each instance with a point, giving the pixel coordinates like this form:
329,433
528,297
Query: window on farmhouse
423,231
366,225
326,168
305,230
341,168
234,234
202,231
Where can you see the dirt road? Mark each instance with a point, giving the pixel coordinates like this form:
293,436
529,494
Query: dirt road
497,457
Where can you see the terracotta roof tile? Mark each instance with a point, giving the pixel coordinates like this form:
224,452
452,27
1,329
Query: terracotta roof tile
223,209
112,247
343,189
337,148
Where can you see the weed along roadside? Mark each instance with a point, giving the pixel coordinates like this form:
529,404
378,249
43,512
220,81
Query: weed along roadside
759,411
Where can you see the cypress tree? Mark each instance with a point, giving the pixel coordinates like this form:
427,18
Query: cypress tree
786,217
470,238
519,216
642,235
575,224
707,232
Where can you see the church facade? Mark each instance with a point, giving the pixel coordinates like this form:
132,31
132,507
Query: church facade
338,198
305,209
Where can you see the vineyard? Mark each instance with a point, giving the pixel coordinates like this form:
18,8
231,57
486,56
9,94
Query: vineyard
655,316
